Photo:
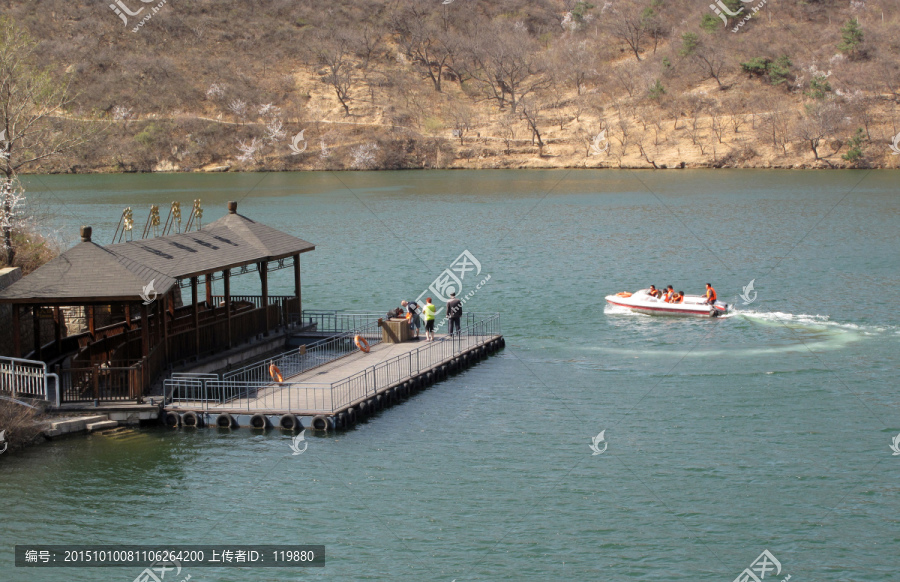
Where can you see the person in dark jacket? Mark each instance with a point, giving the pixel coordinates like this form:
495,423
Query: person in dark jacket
415,321
454,313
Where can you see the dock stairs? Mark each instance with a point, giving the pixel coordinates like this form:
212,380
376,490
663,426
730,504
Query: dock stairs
90,424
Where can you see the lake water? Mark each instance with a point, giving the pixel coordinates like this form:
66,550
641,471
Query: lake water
769,429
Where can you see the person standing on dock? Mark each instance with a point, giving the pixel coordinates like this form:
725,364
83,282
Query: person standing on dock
430,311
454,313
415,322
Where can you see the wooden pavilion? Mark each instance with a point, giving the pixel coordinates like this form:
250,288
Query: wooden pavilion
138,282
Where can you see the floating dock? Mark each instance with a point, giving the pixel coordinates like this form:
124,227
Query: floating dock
330,384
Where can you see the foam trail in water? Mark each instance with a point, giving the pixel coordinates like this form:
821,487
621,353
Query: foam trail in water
803,320
830,335
836,343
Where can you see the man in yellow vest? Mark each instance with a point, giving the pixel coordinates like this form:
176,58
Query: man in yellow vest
430,311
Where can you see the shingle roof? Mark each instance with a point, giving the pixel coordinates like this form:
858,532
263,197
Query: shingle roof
231,241
87,273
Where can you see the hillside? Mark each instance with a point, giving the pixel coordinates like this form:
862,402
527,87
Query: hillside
226,85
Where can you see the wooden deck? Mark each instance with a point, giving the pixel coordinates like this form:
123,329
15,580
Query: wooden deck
354,384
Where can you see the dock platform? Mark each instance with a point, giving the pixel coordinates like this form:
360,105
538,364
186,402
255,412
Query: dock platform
329,385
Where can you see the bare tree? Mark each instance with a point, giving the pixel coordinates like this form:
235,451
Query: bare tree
368,40
531,111
775,125
334,50
571,63
508,130
640,144
463,119
695,128
426,41
710,61
505,63
627,76
735,108
821,121
717,122
630,22
33,104
624,131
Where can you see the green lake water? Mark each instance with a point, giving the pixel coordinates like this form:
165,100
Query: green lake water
769,429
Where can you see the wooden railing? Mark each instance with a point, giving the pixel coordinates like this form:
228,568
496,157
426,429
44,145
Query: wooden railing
101,383
112,368
288,305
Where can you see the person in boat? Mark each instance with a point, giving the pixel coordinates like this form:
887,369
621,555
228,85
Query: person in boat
710,294
670,293
679,297
654,292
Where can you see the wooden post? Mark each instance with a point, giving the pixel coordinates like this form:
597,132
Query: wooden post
128,317
297,292
57,330
145,350
209,292
196,314
36,324
226,279
17,331
165,326
92,322
264,283
160,318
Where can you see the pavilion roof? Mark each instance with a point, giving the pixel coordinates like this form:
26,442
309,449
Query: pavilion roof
229,242
90,273
86,274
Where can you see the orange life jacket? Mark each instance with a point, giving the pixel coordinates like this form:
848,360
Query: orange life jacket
711,294
679,299
669,295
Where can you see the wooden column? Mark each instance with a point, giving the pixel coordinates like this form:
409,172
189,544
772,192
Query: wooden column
171,303
160,318
92,322
165,325
297,292
17,331
57,330
196,315
128,316
145,350
264,283
226,279
36,324
209,291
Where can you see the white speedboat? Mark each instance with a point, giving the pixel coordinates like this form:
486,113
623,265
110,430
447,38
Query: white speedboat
642,302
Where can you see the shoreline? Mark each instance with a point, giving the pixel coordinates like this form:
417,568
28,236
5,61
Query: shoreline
663,167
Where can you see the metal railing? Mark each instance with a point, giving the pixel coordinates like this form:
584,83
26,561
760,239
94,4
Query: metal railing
389,372
335,321
28,378
260,393
306,357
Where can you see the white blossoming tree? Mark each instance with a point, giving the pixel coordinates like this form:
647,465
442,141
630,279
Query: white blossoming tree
32,99
12,210
363,157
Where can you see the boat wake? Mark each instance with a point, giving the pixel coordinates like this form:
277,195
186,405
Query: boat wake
811,333
805,321
617,310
